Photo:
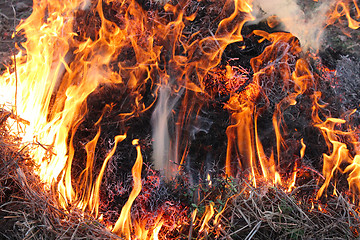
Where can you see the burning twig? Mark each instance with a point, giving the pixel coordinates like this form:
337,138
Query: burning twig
7,114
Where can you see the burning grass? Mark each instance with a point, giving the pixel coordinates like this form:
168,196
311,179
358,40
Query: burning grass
248,212
240,210
27,210
274,214
151,126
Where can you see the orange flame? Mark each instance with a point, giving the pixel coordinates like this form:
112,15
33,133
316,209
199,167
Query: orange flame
341,9
123,224
94,199
339,155
243,135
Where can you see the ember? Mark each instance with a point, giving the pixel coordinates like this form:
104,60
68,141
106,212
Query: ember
187,119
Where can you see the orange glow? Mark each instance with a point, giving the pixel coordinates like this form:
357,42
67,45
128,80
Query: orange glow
273,21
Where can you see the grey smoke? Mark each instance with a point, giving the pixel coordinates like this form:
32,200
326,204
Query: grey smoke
306,26
202,124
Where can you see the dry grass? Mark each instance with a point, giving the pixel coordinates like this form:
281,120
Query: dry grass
271,213
29,212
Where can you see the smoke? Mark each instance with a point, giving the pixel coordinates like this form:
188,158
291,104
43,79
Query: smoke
307,25
202,124
85,5
161,125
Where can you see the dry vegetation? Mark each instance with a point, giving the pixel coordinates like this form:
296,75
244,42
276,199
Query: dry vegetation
276,214
29,212
26,210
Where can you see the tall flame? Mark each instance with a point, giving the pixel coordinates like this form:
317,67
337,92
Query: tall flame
123,224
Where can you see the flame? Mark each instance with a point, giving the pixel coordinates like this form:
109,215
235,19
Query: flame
63,64
142,232
303,147
55,74
209,212
94,199
123,224
342,8
354,176
243,133
339,155
66,60
157,230
208,179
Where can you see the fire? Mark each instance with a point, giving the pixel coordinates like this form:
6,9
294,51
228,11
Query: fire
75,49
245,130
339,155
342,9
123,224
209,212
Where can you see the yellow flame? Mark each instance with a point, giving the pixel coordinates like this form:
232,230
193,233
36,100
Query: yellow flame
209,212
61,67
339,152
354,176
303,148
